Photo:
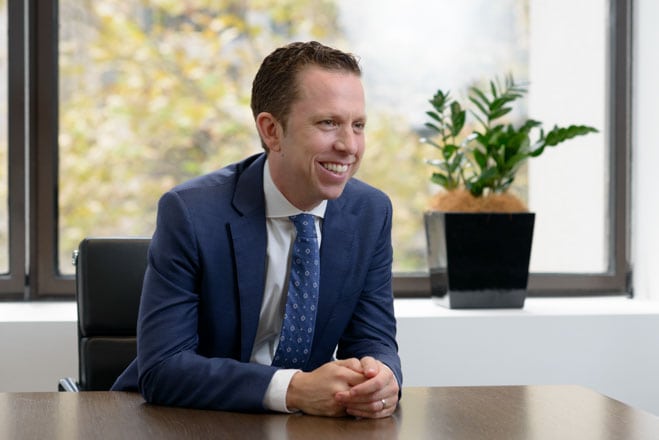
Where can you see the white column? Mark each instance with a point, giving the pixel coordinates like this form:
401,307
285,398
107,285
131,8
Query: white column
645,150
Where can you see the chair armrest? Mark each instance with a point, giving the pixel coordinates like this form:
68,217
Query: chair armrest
68,384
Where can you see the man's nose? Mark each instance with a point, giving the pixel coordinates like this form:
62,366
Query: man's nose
347,141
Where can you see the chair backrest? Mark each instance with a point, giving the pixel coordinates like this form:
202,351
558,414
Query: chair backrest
109,275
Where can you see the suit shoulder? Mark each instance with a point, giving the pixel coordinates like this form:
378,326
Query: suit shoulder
225,177
361,191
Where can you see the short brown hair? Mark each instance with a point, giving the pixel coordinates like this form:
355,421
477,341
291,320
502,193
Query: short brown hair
275,85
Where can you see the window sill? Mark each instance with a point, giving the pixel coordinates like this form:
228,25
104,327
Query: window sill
603,306
37,311
65,311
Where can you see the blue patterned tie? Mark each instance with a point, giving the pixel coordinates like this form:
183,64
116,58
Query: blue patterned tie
302,300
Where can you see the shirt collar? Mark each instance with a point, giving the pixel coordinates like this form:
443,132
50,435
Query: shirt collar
276,204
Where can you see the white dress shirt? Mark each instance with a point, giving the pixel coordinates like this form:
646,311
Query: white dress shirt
281,234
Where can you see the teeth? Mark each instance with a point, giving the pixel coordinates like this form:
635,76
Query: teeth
336,167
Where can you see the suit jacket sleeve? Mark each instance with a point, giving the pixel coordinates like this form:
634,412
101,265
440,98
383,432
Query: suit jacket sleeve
171,369
371,330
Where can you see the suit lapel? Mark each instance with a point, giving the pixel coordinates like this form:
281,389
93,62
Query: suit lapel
335,250
249,238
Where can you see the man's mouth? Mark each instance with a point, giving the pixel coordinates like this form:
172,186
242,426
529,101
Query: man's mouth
335,167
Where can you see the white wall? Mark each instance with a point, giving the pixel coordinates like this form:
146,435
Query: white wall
35,355
607,344
601,343
37,345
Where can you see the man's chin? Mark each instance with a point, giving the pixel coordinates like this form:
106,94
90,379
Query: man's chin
333,193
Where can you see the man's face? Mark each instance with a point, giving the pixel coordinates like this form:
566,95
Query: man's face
323,143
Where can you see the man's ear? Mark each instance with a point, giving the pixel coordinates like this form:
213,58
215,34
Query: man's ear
270,130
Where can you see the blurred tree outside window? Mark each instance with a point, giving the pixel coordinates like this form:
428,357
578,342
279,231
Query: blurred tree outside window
154,92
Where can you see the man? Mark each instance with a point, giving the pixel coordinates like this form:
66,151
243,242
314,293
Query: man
216,304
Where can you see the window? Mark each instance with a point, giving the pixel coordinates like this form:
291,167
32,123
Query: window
133,97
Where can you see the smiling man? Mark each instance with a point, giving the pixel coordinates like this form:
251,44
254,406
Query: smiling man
268,286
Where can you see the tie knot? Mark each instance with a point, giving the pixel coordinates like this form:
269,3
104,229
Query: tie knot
305,225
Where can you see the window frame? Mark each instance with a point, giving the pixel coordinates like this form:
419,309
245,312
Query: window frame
33,176
45,278
12,284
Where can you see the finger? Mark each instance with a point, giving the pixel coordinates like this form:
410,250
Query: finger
367,391
349,377
384,378
376,409
370,366
353,363
314,392
363,400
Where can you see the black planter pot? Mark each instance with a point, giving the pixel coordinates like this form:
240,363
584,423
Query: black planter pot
479,260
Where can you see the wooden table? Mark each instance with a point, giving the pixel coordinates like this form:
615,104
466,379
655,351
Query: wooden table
502,412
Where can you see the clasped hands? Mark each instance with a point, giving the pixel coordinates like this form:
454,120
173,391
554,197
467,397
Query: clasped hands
360,388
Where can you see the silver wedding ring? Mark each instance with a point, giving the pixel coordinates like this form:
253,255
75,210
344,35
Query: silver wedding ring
384,403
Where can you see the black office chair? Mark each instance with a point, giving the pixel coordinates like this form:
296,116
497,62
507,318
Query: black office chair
109,275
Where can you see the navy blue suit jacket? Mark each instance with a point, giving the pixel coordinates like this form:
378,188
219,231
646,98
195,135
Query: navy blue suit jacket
204,283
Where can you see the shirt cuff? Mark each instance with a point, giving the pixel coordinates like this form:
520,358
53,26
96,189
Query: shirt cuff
275,395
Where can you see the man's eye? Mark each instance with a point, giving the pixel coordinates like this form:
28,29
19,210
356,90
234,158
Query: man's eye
328,122
359,126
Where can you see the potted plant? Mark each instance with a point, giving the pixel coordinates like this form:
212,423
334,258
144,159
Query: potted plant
479,234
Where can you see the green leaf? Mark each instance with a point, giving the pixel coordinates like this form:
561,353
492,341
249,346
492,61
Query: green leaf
440,179
496,114
450,148
480,158
479,119
454,165
480,98
493,89
458,117
500,102
435,116
448,151
439,100
433,127
529,125
515,160
537,151
560,134
488,174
